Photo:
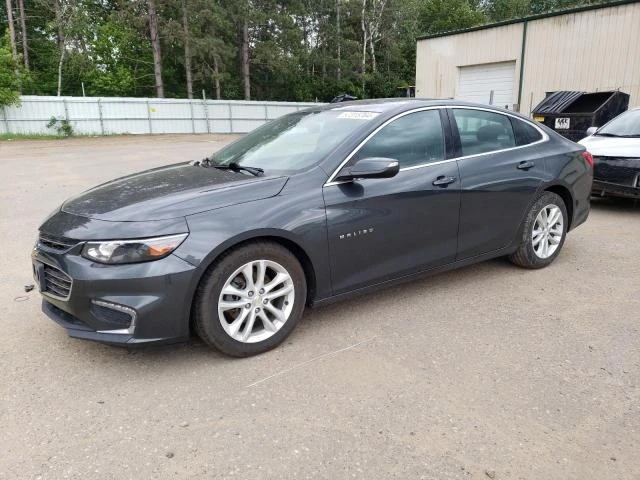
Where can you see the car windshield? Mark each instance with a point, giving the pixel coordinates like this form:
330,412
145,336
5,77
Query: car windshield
293,142
624,125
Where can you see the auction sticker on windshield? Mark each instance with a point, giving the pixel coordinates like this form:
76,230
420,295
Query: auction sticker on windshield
358,115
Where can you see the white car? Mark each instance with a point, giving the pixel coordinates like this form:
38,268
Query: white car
616,153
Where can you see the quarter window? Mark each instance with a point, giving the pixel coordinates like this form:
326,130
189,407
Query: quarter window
525,133
413,139
482,131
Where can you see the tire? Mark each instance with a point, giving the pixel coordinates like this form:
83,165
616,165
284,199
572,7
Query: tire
531,254
254,317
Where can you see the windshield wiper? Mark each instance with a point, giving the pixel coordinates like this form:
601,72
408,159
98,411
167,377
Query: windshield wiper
240,168
234,167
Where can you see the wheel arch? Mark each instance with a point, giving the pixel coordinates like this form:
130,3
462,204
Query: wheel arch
276,237
564,193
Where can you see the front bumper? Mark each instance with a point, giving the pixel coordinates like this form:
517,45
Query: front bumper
118,304
607,188
619,176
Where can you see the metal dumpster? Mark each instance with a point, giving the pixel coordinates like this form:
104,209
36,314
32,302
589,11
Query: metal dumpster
571,113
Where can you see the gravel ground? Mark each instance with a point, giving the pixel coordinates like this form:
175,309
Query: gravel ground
490,371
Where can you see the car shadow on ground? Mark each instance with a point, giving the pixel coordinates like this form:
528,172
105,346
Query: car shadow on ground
315,321
326,317
616,204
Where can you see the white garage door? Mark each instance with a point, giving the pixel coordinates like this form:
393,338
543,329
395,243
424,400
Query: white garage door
489,83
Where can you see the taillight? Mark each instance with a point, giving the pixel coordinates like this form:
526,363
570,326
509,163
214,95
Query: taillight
588,158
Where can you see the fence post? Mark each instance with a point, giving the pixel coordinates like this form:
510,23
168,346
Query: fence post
6,121
206,110
230,117
100,116
66,109
149,116
193,120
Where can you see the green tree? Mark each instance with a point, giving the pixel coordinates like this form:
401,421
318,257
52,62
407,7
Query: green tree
9,75
235,49
499,10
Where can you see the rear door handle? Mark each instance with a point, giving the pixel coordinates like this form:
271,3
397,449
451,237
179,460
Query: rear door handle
443,181
526,165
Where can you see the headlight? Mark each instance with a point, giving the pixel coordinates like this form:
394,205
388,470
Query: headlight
132,251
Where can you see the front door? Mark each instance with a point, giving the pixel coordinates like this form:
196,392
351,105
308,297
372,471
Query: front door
379,229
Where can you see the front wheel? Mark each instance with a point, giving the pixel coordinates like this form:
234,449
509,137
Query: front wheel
250,300
543,233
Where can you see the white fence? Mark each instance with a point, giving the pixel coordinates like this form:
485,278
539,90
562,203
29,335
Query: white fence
112,115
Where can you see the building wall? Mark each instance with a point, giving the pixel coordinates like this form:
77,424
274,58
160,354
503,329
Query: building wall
592,50
438,59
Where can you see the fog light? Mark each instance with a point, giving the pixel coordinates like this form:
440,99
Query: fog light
120,316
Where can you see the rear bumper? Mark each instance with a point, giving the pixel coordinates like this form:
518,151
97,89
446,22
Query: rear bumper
608,188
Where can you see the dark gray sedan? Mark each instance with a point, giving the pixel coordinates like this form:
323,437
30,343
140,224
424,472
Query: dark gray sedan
308,209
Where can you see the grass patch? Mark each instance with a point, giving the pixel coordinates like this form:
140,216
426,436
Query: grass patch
28,136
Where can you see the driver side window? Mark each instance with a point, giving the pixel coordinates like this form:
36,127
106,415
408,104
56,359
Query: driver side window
413,139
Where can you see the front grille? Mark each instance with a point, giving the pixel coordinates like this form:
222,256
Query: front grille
622,171
53,242
56,282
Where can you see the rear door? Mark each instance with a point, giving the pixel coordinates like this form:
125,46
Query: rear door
500,171
384,228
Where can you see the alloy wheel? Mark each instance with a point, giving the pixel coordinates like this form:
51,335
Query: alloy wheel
256,301
548,230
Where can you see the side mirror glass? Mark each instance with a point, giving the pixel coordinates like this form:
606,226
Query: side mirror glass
591,131
375,167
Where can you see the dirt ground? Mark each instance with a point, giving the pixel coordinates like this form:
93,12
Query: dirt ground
486,372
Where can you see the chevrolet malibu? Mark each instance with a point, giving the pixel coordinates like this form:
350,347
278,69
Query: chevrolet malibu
310,208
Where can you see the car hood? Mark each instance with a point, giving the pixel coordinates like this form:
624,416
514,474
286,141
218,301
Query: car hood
611,146
171,192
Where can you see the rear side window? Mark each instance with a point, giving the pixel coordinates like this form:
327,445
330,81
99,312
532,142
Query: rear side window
525,133
482,131
413,139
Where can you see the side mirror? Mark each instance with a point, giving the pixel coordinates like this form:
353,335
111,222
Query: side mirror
375,167
591,131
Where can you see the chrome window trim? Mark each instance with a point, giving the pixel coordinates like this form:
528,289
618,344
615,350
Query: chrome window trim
331,180
545,137
423,165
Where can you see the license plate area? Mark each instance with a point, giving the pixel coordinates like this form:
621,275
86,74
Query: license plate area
38,275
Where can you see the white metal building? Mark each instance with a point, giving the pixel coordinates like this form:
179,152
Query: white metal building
514,63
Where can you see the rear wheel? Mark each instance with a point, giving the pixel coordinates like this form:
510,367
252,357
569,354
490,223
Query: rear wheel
543,232
250,300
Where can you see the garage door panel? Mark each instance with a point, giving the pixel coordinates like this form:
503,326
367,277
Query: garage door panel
476,82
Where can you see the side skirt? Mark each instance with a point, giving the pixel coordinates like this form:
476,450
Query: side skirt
424,273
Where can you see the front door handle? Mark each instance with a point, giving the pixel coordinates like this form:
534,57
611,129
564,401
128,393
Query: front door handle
526,165
443,181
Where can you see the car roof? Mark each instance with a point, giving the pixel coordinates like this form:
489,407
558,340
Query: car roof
384,105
